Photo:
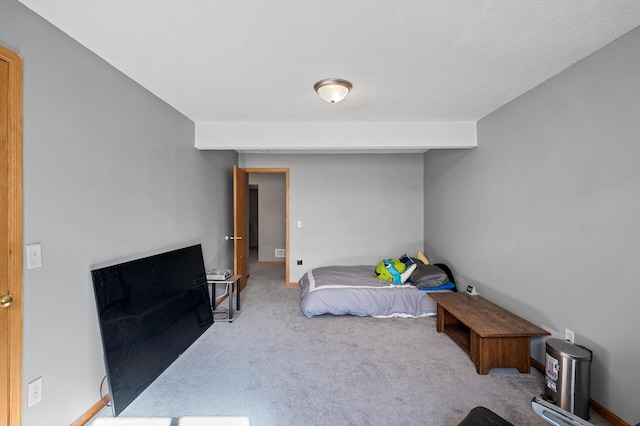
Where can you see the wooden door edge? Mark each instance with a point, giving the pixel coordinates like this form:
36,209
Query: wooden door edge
15,232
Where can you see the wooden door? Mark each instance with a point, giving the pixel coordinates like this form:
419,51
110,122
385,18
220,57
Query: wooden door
11,237
240,252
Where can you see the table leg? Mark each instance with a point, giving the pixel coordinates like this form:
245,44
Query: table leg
230,292
440,319
237,283
213,297
501,352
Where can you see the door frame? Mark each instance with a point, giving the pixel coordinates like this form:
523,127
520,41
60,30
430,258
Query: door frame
284,170
14,233
240,240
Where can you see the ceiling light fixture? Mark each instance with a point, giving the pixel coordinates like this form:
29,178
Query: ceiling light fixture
333,90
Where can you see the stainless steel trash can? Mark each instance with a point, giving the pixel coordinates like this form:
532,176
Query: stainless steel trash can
567,374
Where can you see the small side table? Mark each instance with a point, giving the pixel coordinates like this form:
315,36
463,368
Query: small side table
232,287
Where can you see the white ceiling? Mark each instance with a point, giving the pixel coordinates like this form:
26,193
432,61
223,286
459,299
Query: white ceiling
230,63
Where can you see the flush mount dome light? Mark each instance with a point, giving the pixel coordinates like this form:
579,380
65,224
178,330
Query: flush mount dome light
333,90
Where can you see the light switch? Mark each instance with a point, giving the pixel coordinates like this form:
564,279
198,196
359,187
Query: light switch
34,256
299,224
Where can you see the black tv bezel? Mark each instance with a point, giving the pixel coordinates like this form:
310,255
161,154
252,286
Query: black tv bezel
193,287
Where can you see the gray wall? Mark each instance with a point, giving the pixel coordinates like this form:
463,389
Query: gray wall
110,173
271,214
544,214
355,209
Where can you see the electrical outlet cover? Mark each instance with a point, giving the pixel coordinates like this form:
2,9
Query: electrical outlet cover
35,392
34,255
569,335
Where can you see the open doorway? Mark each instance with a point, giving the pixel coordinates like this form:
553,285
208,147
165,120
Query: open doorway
268,223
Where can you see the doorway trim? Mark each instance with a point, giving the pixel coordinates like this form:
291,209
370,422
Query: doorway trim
14,232
284,170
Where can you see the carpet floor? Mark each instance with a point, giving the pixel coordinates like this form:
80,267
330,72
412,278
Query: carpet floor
278,367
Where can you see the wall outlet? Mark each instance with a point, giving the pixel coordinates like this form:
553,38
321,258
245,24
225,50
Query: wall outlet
299,261
568,335
35,392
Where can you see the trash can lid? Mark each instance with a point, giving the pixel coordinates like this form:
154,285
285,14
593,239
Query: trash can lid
568,349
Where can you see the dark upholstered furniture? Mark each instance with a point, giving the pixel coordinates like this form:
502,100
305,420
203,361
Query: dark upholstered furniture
481,416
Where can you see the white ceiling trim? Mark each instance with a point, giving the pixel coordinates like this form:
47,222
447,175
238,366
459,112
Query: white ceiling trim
306,137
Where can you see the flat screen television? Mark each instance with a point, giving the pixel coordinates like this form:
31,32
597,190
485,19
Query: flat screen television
150,310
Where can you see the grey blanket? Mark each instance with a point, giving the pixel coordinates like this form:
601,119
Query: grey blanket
354,290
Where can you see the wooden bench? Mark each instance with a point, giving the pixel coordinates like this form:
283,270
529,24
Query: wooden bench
493,336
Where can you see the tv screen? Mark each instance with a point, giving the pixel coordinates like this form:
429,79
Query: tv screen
150,310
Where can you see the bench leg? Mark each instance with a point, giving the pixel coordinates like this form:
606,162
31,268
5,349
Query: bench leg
500,352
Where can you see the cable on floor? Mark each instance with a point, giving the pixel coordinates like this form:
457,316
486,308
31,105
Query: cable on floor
102,397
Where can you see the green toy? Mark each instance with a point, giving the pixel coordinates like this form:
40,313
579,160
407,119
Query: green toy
390,270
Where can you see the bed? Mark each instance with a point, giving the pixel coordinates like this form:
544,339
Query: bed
355,290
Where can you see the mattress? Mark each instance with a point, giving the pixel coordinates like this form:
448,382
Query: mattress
354,290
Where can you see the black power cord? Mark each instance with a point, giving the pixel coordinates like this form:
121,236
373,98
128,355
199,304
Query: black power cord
102,397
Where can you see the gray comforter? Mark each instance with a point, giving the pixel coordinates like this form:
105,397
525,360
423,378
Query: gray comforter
354,290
